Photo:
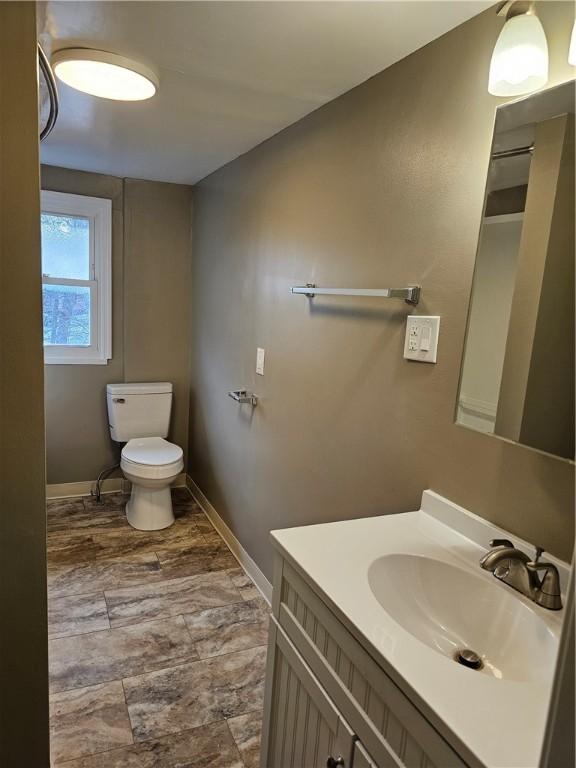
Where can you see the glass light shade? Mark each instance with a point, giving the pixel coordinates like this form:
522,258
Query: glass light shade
520,60
104,74
572,51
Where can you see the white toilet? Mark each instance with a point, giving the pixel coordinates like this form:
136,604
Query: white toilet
139,415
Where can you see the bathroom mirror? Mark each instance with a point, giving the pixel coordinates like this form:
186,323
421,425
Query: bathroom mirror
517,378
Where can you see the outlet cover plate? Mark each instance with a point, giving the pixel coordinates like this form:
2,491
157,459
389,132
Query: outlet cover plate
421,343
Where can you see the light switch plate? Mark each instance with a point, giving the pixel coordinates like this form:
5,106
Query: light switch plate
421,342
260,361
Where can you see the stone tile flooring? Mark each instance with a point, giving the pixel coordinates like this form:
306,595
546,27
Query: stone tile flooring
157,642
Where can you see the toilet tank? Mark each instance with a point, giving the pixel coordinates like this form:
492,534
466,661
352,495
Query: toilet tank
139,410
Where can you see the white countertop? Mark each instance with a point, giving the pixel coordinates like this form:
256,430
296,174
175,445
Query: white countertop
500,722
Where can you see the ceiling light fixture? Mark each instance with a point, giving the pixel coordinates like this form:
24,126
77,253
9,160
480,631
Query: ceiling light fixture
104,74
520,59
572,51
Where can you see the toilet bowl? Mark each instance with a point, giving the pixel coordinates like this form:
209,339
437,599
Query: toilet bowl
151,464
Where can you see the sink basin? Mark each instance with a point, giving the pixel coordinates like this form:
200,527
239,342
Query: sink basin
449,609
410,589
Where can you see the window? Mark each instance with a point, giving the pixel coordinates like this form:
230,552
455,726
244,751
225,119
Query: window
76,282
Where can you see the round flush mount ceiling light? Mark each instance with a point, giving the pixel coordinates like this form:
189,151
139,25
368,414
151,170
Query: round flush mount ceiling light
104,74
572,51
520,59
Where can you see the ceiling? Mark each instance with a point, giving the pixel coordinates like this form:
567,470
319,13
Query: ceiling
232,74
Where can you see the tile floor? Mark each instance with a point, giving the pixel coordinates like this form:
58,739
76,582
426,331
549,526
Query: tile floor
157,642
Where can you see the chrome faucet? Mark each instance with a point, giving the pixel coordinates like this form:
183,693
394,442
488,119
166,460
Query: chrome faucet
514,567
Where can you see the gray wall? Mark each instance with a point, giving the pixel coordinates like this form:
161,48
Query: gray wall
78,441
157,273
23,630
151,331
383,186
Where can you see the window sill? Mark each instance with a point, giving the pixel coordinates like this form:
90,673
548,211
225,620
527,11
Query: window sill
74,361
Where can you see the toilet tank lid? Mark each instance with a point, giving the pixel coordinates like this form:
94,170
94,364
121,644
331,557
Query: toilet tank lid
140,388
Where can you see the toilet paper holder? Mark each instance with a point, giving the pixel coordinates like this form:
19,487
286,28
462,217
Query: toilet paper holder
243,396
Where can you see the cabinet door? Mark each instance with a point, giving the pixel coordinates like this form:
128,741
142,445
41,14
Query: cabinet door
383,718
302,728
361,758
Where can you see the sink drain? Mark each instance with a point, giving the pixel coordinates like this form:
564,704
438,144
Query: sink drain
468,658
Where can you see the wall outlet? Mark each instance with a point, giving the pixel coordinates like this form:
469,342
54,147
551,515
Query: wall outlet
422,338
260,361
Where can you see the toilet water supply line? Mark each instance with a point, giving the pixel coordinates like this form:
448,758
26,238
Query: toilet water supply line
97,491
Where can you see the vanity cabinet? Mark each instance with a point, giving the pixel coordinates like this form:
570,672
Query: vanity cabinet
361,758
305,728
327,699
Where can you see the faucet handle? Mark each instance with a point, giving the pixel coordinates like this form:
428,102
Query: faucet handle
539,551
536,564
548,593
501,543
539,566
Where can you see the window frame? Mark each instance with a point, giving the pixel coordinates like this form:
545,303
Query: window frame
99,212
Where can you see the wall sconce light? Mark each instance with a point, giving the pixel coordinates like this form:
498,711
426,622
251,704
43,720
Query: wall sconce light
520,59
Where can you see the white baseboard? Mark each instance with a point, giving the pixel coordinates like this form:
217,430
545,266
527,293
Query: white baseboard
110,485
247,563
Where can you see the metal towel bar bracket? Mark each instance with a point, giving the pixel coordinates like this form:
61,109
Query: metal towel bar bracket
243,396
410,295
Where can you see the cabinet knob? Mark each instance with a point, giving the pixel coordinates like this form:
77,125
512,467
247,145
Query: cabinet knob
335,762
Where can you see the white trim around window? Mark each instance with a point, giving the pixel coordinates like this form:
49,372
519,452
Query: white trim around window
99,212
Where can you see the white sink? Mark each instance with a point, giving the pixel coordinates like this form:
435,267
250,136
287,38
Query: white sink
410,588
449,609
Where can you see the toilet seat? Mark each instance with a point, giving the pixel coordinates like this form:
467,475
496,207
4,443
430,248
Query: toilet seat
151,457
151,450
